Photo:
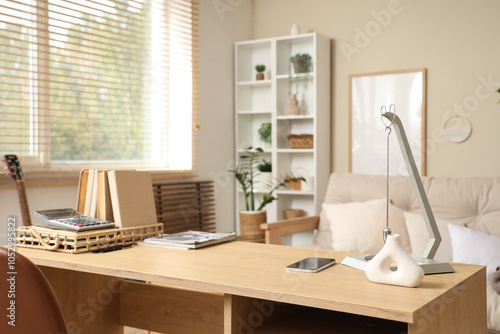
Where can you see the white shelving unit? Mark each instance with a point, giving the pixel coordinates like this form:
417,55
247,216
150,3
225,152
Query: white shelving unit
265,101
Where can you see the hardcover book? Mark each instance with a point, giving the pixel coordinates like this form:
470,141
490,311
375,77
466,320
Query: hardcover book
132,198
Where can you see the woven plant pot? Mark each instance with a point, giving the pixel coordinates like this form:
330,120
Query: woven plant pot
250,224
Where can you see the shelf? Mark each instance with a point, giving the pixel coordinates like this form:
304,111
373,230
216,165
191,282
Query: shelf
300,319
242,150
295,192
265,101
295,150
292,117
302,76
283,192
254,112
255,83
257,191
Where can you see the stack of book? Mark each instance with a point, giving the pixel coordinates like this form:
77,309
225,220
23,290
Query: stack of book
121,196
188,239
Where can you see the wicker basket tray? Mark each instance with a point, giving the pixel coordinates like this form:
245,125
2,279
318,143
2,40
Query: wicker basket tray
81,242
300,141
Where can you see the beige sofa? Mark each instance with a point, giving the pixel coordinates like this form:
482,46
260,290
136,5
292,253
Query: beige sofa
352,218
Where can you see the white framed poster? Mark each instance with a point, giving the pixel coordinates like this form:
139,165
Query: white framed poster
369,93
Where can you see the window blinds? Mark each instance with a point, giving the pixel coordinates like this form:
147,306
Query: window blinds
104,82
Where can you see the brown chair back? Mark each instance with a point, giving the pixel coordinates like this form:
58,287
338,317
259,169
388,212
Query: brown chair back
27,301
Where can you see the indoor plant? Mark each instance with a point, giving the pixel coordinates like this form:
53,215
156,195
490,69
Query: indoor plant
246,173
301,67
265,177
265,133
260,71
301,63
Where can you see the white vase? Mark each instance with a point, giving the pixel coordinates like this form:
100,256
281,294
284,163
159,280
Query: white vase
265,180
393,265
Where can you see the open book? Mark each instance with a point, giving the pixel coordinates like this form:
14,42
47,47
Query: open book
188,239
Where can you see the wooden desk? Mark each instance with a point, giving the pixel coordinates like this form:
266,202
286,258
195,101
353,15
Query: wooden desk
243,287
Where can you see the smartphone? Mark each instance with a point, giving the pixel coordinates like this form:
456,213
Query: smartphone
311,265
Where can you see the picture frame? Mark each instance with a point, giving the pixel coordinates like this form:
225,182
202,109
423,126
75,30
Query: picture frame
369,93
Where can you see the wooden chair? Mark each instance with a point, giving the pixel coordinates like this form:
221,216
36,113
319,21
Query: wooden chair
26,298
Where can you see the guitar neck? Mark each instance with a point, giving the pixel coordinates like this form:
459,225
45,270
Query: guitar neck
25,211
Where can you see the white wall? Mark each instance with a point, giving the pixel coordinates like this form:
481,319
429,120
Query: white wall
39,198
219,29
222,23
455,40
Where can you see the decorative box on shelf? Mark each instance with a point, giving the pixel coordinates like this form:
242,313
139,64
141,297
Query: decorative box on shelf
301,141
81,242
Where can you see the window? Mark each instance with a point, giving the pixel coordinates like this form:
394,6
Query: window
110,83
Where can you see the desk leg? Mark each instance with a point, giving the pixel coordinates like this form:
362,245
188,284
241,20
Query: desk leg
89,302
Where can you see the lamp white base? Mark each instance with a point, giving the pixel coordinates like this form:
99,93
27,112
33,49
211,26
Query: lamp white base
429,266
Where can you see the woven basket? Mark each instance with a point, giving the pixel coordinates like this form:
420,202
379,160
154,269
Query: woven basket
81,242
300,141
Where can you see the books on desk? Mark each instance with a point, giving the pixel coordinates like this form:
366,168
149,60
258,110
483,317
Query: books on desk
188,239
123,196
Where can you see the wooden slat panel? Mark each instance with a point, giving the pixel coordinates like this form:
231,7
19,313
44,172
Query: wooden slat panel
186,205
185,213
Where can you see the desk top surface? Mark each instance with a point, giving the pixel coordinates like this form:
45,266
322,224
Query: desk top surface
259,271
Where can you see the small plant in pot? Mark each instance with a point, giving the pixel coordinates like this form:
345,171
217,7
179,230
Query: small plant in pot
301,63
265,133
260,71
245,174
265,177
302,66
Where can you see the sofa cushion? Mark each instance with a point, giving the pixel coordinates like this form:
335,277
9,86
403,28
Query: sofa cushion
323,235
474,200
397,226
474,247
346,188
419,237
493,308
358,226
353,225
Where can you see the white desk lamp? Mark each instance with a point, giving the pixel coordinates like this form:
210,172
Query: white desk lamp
427,263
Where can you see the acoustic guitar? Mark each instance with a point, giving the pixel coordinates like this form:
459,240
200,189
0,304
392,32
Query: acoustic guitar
16,172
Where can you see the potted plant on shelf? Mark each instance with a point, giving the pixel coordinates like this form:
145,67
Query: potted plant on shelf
301,63
246,174
260,71
301,67
265,133
265,176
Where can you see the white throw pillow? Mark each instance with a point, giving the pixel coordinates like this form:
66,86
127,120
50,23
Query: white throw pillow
493,308
354,225
419,237
475,247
